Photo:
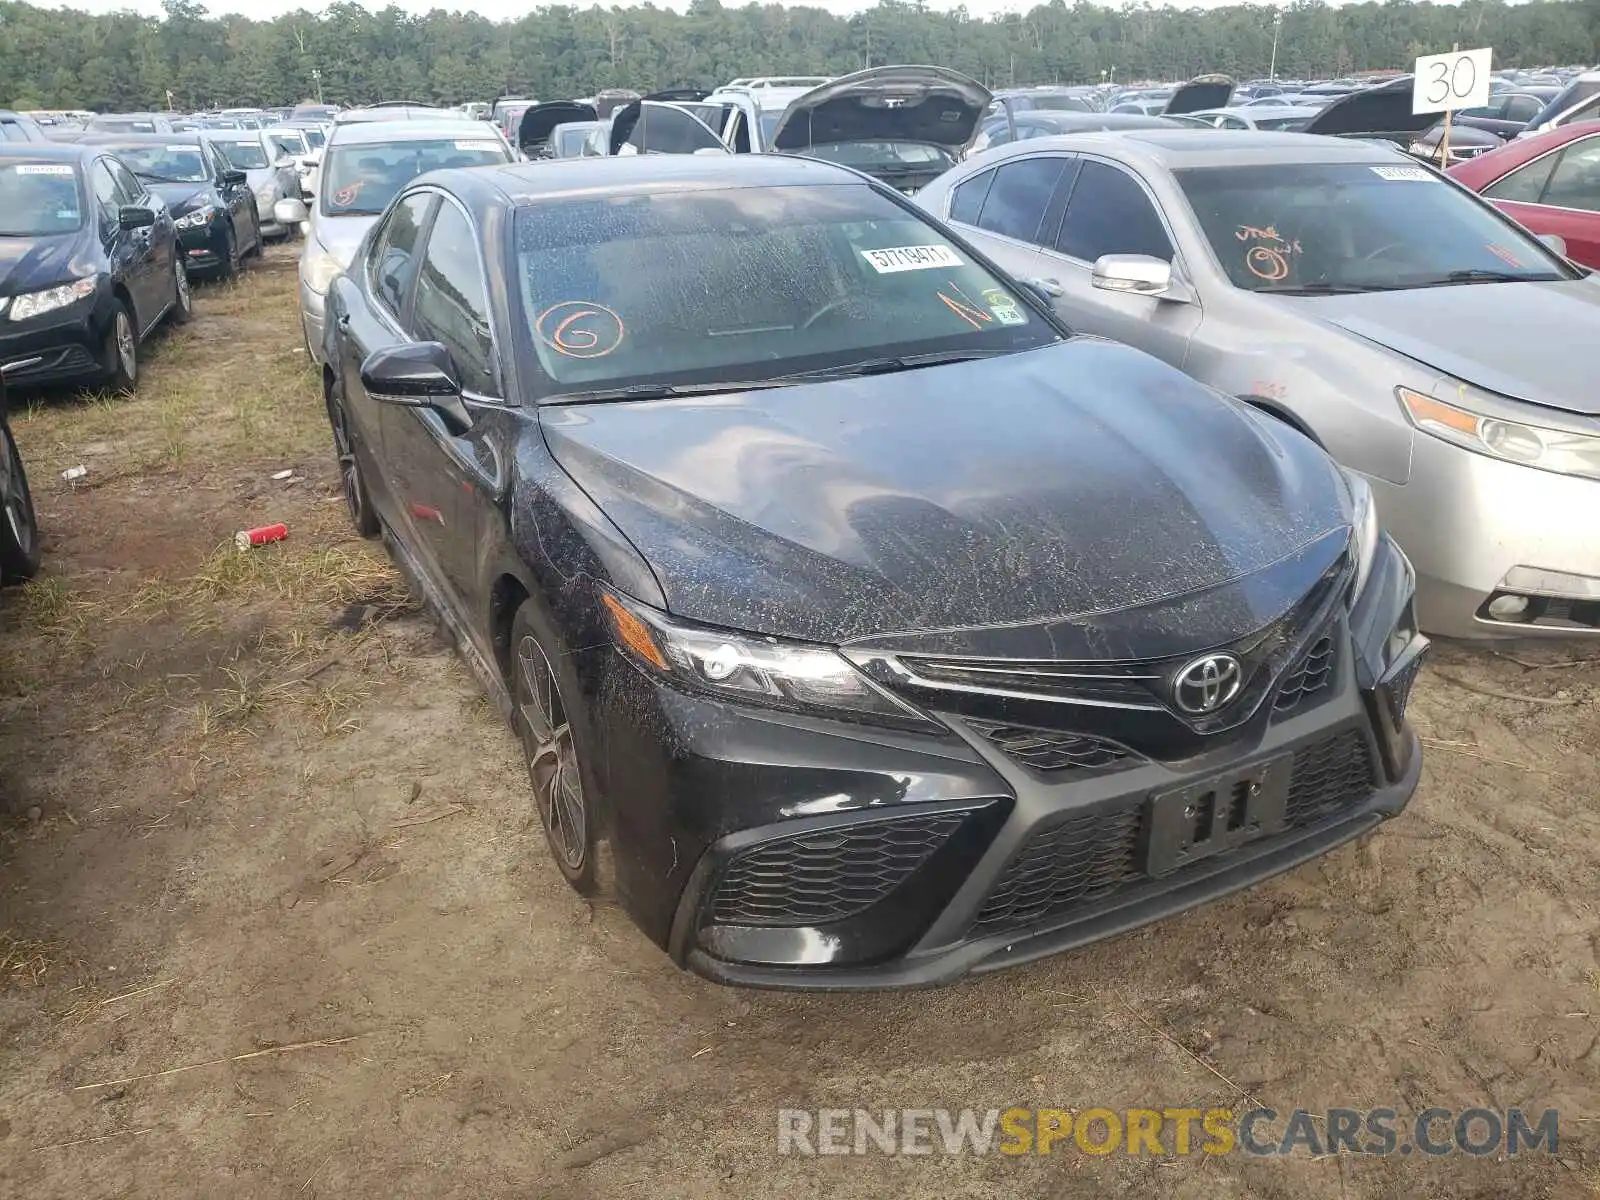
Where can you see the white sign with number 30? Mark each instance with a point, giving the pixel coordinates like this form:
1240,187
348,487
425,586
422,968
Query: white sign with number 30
1446,82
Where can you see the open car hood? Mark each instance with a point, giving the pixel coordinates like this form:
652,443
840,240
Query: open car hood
1201,92
888,104
1383,111
653,127
537,122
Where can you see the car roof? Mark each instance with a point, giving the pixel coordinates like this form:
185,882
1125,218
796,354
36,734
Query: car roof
46,151
1176,149
369,133
113,138
645,174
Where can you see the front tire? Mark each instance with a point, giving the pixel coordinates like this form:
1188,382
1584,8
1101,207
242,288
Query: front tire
182,294
121,372
19,527
356,498
563,789
230,254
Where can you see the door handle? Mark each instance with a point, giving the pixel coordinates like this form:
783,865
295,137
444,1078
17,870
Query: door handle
1050,287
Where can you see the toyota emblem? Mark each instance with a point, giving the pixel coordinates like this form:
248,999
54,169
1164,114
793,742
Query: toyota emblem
1206,684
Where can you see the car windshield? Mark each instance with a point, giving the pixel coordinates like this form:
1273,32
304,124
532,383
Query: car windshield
112,125
571,138
287,143
37,199
882,154
244,156
1056,102
165,164
1289,124
314,138
364,178
701,287
1318,227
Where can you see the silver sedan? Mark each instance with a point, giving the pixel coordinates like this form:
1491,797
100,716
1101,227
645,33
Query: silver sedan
1422,338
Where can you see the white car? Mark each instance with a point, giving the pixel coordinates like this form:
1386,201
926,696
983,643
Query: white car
271,174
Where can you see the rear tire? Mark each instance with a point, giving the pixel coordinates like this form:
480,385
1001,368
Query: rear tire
19,527
564,793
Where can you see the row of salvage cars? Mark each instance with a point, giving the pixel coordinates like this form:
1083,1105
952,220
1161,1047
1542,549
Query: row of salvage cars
886,630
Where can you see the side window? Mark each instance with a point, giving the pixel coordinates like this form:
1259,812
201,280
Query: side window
216,163
1110,214
1586,112
1525,184
1021,192
392,261
966,202
1227,122
130,186
12,131
1575,183
451,305
1522,108
105,190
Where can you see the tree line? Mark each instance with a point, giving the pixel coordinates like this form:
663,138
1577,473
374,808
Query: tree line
59,58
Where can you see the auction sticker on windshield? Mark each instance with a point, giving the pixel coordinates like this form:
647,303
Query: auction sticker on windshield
1402,174
483,144
43,169
911,258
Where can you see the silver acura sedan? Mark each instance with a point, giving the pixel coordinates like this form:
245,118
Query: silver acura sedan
1425,340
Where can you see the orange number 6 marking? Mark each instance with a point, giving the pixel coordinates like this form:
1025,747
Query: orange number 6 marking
579,329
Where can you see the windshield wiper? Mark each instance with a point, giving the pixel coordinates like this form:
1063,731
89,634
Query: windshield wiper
1324,289
1479,275
162,178
889,366
662,391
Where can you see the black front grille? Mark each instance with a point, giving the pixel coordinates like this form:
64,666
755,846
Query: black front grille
1398,689
827,874
1328,777
1080,859
1052,750
1091,855
1305,682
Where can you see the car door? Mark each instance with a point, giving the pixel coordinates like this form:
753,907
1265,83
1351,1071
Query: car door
447,478
1004,209
381,283
128,249
235,196
1557,193
164,254
1109,211
149,287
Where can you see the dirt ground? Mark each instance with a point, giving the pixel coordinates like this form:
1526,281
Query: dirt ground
274,920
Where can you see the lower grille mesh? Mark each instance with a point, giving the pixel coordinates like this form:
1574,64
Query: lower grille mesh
1092,855
1052,750
827,874
1308,679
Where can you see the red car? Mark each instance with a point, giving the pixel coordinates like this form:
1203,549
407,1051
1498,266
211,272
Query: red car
1549,183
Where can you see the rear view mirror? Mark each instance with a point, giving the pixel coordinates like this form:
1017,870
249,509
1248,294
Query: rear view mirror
1555,242
289,212
232,178
131,216
1137,273
417,375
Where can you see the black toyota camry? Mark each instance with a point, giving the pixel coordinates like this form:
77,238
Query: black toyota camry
885,631
212,206
89,266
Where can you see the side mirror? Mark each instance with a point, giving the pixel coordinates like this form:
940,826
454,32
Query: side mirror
232,178
417,375
1555,242
282,161
289,212
1137,273
131,216
311,160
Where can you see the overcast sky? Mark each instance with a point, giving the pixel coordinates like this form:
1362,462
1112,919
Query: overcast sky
501,9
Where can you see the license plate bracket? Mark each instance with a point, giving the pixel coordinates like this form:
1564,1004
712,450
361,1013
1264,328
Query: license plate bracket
1216,814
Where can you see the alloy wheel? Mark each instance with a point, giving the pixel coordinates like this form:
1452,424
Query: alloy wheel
552,757
184,297
14,500
127,346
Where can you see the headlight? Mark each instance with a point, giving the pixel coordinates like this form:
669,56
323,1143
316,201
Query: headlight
318,269
750,669
197,218
1364,527
1484,432
36,303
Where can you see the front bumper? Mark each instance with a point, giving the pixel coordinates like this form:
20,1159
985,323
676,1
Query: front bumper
793,852
1476,526
204,248
65,346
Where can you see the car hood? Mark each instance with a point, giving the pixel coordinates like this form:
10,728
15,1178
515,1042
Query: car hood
1383,110
904,104
1514,339
1095,487
342,235
181,197
535,125
28,264
1202,92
